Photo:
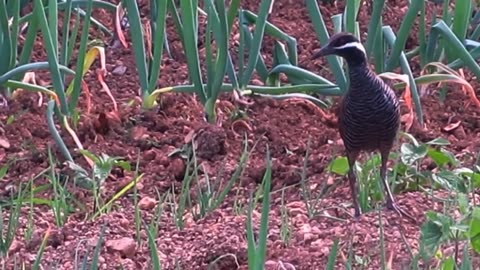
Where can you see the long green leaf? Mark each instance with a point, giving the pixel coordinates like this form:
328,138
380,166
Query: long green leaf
458,63
461,23
403,33
254,52
263,234
54,132
65,36
28,45
52,56
78,3
172,8
14,34
275,32
261,67
379,50
53,23
461,18
136,30
212,19
454,42
422,36
232,13
189,19
5,41
322,33
350,17
158,38
391,40
333,255
221,36
373,25
75,95
300,73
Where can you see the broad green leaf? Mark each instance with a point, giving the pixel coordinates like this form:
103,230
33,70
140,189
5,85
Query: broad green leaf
441,157
411,153
450,181
448,264
339,166
438,141
474,233
431,235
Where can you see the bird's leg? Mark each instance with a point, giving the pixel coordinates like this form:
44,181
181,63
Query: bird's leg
391,204
352,157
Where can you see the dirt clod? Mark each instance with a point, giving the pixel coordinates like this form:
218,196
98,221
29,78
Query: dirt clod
177,168
125,246
284,127
4,143
210,142
147,203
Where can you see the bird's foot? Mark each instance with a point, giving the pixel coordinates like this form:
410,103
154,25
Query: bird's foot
357,214
394,206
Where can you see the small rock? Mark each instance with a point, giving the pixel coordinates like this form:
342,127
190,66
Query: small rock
92,242
147,203
460,133
119,70
177,168
139,133
210,141
4,143
125,246
124,222
35,241
15,247
149,155
56,238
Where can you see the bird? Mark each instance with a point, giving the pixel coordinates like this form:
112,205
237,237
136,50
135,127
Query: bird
368,113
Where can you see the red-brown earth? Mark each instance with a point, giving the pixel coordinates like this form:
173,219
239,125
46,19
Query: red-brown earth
150,136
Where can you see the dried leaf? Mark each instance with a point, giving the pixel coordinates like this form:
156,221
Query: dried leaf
118,17
86,89
148,37
452,126
460,79
189,136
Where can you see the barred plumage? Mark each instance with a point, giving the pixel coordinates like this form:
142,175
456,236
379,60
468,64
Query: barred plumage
369,115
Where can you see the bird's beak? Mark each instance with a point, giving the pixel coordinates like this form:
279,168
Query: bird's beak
325,50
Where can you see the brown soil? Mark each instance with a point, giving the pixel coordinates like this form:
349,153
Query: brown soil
285,126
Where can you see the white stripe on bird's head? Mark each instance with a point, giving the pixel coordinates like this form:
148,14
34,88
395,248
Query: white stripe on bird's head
353,44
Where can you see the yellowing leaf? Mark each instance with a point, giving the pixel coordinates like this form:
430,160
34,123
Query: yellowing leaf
407,96
457,77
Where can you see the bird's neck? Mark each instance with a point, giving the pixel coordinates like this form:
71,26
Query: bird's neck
360,75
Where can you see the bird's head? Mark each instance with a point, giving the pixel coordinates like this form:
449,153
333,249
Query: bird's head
344,45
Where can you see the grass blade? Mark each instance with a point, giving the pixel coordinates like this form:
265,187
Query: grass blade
333,256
